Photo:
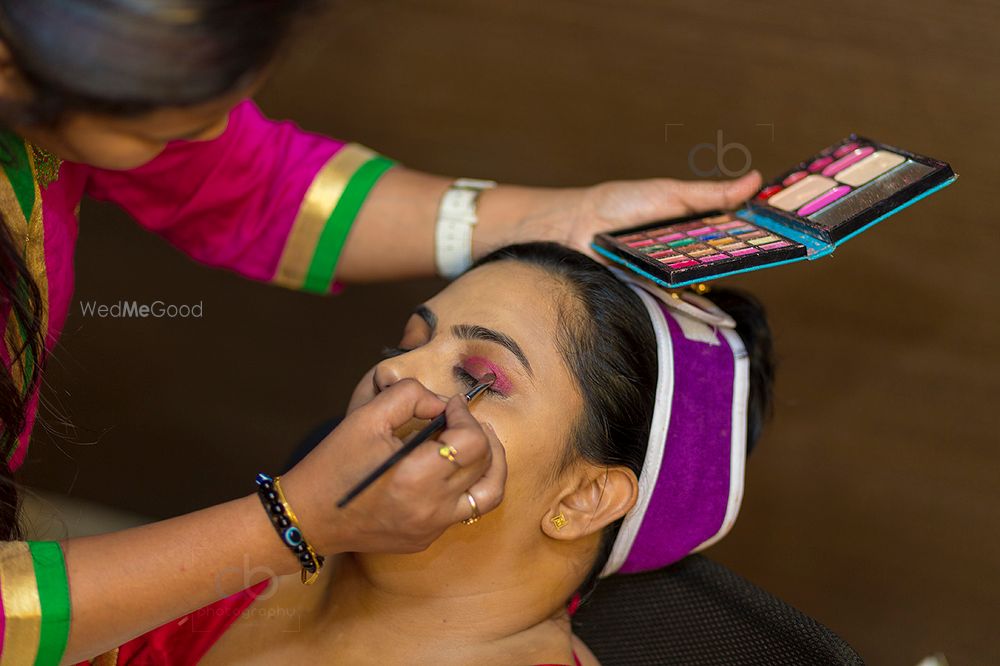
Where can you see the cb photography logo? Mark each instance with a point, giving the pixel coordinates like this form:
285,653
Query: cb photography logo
716,158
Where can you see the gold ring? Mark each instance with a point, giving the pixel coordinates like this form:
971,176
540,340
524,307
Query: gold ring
448,453
475,510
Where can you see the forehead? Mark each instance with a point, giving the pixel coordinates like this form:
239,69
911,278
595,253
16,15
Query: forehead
522,301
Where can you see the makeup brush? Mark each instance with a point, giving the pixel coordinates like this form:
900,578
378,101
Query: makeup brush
425,433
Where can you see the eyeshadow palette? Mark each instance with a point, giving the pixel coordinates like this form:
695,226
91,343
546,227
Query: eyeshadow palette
804,214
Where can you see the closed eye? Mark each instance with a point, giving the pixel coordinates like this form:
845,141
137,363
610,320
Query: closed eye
470,381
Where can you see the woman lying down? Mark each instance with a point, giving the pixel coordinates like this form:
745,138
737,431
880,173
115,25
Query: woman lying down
625,415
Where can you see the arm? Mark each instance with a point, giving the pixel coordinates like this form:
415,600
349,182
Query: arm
264,199
403,207
277,204
127,583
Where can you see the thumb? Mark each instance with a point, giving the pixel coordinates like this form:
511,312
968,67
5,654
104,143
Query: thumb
700,195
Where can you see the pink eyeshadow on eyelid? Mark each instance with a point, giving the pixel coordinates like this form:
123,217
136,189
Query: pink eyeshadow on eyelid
477,366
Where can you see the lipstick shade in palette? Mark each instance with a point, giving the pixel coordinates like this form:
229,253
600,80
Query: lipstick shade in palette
804,214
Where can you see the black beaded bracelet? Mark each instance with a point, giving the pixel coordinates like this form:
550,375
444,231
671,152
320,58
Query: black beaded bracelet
287,525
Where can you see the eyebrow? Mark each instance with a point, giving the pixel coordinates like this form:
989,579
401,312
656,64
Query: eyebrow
474,332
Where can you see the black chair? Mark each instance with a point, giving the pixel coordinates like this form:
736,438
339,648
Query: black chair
698,612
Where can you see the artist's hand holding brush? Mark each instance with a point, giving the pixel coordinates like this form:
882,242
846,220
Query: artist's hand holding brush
415,500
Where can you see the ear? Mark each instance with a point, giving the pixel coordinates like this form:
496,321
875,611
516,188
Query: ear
603,495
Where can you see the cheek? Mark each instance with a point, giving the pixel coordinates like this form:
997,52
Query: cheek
534,446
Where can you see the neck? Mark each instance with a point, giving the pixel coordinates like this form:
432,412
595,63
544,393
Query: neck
460,618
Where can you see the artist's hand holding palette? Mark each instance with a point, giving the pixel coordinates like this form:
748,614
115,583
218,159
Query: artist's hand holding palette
804,214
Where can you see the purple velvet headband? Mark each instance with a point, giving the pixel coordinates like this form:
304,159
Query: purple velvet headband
691,482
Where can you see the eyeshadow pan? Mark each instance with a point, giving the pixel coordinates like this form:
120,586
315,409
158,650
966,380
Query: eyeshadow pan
681,243
823,200
669,237
631,237
846,148
847,160
714,257
701,253
791,179
768,192
764,240
805,190
871,167
687,226
701,232
740,253
685,264
818,164
640,243
730,225
663,253
673,259
775,246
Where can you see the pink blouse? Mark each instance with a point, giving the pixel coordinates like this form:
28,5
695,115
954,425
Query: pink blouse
264,199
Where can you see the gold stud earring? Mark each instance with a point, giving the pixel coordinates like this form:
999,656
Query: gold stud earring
560,521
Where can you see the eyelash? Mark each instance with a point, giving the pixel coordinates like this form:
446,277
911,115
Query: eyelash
460,374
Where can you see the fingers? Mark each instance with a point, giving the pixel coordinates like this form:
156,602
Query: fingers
470,439
405,400
703,195
488,490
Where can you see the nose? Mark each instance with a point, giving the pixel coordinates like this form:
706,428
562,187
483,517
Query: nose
385,375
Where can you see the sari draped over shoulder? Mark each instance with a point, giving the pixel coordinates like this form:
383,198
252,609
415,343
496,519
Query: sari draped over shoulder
265,199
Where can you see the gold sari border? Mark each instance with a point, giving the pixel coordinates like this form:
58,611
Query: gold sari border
22,607
317,206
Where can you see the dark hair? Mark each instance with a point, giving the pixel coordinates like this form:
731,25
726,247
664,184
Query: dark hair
608,343
116,57
20,303
124,57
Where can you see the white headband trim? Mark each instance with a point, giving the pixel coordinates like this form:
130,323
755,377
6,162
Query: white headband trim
657,436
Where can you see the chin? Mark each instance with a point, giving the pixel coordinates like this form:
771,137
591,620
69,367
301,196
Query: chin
119,163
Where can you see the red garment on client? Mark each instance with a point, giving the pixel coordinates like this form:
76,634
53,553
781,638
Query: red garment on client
184,641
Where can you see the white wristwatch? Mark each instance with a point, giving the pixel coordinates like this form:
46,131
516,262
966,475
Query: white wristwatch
456,217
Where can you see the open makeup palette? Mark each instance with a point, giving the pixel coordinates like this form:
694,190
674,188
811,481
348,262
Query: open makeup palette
804,214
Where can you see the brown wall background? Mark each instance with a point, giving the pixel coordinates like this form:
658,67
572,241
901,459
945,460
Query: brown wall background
873,501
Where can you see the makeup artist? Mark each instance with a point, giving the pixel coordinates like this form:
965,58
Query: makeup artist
145,103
